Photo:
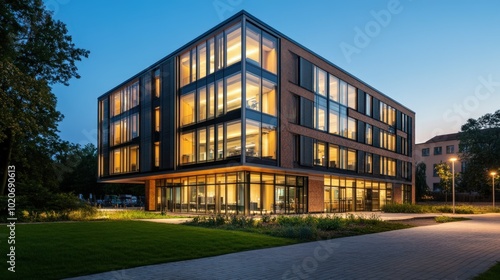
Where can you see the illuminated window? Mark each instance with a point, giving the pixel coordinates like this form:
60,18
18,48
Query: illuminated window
124,160
269,53
187,148
220,142
351,96
211,101
211,143
319,81
369,134
253,92
116,133
134,159
116,165
233,139
116,104
368,105
202,104
157,83
193,64
334,118
202,145
233,92
368,163
233,39
252,146
333,90
268,141
351,160
185,66
134,126
333,156
320,114
343,93
211,46
351,128
220,97
157,119
157,154
219,47
187,109
319,153
269,97
253,44
387,166
343,121
202,60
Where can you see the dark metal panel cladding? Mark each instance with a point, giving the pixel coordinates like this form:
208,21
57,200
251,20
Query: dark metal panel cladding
376,108
306,112
306,151
105,137
306,74
361,101
168,119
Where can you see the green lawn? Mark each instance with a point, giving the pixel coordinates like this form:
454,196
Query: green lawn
491,274
58,250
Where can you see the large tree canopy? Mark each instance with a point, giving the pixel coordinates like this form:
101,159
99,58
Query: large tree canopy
35,52
480,149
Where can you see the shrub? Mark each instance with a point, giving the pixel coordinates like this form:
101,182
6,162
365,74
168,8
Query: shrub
327,223
402,208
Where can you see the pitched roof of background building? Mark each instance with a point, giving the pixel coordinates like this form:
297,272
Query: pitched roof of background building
443,138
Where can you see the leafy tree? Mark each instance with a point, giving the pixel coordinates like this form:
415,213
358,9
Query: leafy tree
35,52
421,181
445,175
480,149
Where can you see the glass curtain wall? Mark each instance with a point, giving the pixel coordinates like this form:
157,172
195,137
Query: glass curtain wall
234,193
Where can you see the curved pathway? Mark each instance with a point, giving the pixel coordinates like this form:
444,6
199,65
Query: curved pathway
457,250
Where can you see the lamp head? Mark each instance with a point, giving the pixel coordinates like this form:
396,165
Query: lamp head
493,173
453,159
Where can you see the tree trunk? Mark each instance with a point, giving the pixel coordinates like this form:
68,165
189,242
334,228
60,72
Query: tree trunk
5,154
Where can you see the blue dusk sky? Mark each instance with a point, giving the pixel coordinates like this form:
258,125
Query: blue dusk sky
441,59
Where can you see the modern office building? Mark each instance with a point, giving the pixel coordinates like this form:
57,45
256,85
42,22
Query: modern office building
438,149
244,120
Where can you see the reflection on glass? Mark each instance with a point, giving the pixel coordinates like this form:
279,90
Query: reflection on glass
253,92
269,53
187,151
187,109
253,44
233,92
233,139
269,97
233,39
252,147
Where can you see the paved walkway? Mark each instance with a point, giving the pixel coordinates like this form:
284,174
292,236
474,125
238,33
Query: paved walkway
458,250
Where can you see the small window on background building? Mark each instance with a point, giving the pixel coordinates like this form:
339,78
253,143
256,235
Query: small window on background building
157,154
157,119
434,171
438,150
157,83
450,149
425,152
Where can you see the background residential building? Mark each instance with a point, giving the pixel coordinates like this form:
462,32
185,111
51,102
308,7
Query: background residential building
438,149
244,120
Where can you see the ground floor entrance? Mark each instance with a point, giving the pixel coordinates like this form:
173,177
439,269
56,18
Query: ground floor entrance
233,193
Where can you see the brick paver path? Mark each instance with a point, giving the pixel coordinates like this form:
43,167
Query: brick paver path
458,250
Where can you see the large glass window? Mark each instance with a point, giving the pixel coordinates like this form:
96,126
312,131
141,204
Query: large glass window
333,92
211,101
211,46
233,92
333,156
351,160
220,97
253,44
268,141
125,129
334,118
368,134
202,60
202,104
211,143
157,81
269,53
125,99
193,65
252,139
269,97
125,159
233,139
157,119
202,145
343,121
187,109
253,92
343,93
188,146
351,97
319,81
368,104
220,142
320,114
185,65
219,51
368,163
233,39
319,153
351,128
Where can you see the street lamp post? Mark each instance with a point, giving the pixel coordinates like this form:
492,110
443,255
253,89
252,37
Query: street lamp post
493,186
453,181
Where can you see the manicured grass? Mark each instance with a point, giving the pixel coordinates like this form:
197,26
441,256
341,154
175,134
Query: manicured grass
491,274
59,250
459,209
447,219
